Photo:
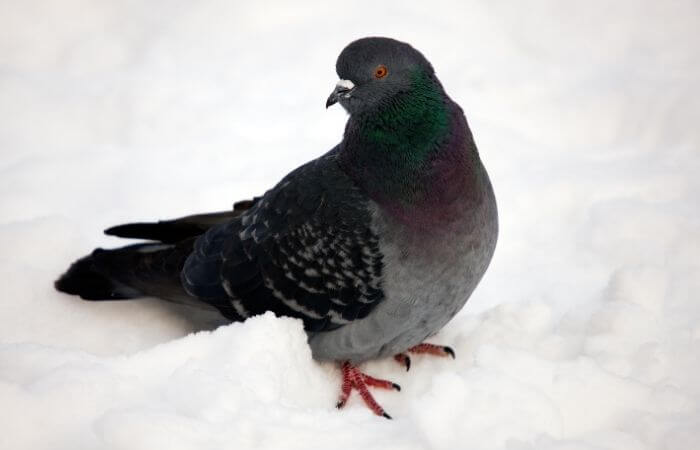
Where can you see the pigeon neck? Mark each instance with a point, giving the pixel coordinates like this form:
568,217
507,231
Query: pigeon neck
412,156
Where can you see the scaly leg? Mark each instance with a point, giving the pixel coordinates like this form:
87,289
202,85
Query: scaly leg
354,379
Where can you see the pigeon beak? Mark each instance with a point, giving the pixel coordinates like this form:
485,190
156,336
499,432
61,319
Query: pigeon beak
342,90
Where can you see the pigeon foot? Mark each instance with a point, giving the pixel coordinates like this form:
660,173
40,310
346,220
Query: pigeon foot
430,349
353,378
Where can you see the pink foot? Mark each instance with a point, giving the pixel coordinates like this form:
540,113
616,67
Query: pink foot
354,379
430,349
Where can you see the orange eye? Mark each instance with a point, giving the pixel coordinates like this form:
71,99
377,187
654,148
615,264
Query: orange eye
380,71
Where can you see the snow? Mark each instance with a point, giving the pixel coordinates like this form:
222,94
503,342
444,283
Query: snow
583,334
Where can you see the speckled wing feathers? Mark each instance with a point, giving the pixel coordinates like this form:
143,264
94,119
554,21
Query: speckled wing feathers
306,249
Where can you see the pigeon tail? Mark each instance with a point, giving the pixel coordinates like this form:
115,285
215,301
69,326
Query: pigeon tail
173,231
129,272
88,279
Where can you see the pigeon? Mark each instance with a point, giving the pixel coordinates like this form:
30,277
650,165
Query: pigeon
374,245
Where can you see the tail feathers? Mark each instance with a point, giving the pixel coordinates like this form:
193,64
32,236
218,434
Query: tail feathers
87,279
172,231
165,231
138,270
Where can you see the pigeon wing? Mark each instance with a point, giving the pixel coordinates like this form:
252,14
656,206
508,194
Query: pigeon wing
306,249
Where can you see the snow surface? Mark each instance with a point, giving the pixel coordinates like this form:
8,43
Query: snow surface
583,335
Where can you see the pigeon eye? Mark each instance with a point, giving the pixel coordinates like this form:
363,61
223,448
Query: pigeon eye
381,71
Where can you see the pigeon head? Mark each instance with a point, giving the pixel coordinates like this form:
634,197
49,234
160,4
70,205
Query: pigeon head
405,142
373,71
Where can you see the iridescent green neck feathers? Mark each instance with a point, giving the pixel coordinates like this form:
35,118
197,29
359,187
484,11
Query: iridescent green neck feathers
390,149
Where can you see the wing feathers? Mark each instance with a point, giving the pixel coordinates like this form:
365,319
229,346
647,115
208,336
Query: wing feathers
306,249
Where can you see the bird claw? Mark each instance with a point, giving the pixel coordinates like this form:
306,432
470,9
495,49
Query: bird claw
353,378
404,360
432,349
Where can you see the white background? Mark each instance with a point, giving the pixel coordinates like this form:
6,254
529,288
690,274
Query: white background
583,335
